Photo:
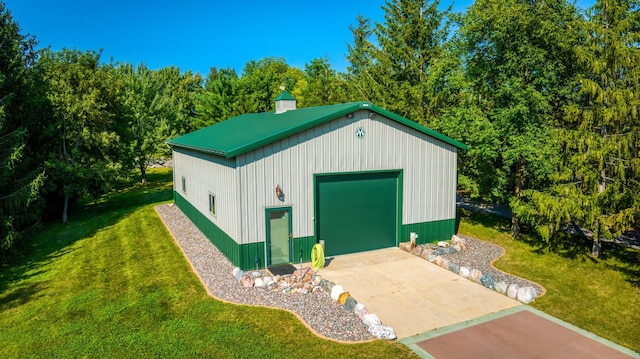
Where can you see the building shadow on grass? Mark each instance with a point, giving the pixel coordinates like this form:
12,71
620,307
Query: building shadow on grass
54,239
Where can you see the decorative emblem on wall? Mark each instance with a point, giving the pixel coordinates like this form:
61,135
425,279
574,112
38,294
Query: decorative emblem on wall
360,133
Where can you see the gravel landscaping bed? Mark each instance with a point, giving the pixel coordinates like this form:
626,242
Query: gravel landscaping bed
479,255
317,309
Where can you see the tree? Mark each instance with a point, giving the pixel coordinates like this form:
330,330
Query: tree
598,181
519,60
323,84
146,104
86,131
362,69
396,73
219,100
21,177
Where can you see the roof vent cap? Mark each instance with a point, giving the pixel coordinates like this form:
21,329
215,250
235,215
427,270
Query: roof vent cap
285,102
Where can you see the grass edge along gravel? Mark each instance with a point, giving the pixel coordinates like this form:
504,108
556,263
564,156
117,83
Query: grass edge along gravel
113,283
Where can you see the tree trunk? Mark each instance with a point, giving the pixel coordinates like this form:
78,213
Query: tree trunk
143,174
517,191
65,207
597,242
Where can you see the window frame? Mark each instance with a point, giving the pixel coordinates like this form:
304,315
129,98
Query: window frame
212,204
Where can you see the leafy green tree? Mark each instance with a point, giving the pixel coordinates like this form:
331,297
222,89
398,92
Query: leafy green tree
85,130
21,176
182,89
323,84
145,103
598,182
219,100
262,81
520,63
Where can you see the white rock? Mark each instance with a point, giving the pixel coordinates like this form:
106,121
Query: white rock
382,332
267,280
235,271
371,319
256,274
336,291
258,282
526,294
475,275
457,247
443,244
501,287
359,307
465,272
317,279
512,290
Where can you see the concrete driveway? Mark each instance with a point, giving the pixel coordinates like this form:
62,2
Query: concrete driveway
410,294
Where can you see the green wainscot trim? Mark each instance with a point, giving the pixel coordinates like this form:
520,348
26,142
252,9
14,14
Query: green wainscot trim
304,243
218,237
248,253
429,232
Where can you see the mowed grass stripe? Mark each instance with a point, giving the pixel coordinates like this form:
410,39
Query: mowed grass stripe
113,283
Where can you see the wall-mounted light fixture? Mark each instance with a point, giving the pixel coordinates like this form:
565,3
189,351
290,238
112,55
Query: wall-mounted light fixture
279,193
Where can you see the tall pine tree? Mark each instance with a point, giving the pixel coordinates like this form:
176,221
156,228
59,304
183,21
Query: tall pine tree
21,177
598,182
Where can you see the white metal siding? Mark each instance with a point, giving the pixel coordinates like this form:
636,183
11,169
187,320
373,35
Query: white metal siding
209,174
429,170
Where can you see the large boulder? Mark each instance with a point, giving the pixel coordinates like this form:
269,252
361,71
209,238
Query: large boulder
465,272
501,287
342,298
237,274
512,290
487,280
336,291
350,303
455,268
246,281
382,332
405,246
526,294
259,283
370,319
475,275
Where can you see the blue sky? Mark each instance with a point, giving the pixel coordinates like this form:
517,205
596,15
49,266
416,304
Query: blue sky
198,34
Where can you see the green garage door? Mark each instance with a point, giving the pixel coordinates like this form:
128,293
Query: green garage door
357,212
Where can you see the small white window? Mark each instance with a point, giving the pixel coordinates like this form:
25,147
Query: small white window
212,203
184,184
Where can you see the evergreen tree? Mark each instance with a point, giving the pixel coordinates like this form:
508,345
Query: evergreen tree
598,181
21,177
396,72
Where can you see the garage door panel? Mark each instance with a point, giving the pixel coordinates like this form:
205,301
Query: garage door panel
357,212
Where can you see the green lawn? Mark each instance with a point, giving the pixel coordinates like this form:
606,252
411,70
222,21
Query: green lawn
112,283
599,295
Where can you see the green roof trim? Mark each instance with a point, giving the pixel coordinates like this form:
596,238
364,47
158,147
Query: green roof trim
245,133
286,96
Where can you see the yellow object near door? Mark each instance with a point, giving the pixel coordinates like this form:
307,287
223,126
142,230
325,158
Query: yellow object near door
317,257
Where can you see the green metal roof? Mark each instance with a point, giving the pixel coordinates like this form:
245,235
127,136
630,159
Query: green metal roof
244,133
285,96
